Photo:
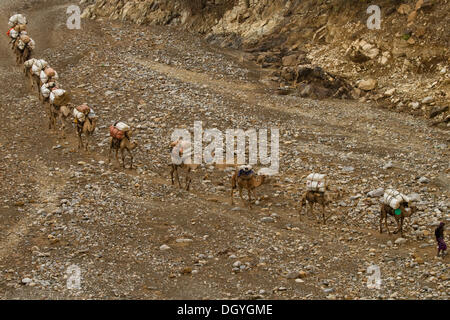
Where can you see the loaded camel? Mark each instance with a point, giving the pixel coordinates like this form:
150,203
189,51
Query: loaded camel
18,24
322,198
59,108
15,33
85,124
245,177
27,70
407,210
181,160
32,70
23,48
46,75
45,92
121,141
61,113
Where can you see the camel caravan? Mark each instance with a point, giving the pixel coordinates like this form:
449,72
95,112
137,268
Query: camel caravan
120,140
57,102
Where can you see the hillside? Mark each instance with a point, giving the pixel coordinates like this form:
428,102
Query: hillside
402,66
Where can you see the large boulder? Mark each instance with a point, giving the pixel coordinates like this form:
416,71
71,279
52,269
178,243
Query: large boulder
368,85
362,51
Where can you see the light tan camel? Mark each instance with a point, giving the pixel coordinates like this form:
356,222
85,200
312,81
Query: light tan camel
407,210
321,198
249,182
62,114
30,77
59,109
22,55
87,128
183,166
124,144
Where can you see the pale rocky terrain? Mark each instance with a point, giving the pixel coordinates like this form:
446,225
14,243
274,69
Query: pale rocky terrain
403,66
134,236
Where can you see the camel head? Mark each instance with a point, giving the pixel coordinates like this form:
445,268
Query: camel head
133,145
67,110
91,124
409,209
332,195
94,121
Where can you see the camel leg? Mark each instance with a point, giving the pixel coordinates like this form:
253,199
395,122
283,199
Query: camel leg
316,217
386,224
172,169
62,127
233,186
49,113
254,194
398,225
109,153
311,209
323,214
117,156
30,80
81,145
177,176
79,138
131,158
188,178
52,112
401,225
240,195
381,223
123,157
232,193
249,198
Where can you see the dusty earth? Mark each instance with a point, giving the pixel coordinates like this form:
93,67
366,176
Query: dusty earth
134,236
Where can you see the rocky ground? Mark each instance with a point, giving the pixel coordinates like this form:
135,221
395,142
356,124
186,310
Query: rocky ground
135,236
403,64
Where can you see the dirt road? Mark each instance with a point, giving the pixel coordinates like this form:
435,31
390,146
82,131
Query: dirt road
62,207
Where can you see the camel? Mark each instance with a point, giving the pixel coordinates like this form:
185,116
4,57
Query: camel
22,55
29,73
184,153
37,82
322,198
122,145
58,108
86,127
407,210
174,171
34,81
249,182
48,110
62,114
